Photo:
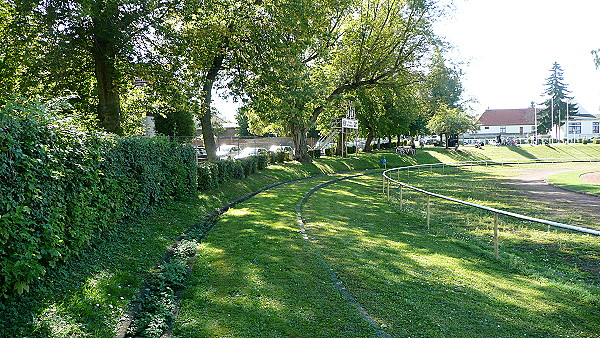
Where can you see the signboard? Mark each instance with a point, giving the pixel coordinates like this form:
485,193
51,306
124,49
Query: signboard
349,123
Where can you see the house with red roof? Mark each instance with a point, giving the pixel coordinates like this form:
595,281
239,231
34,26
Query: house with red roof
521,123
507,123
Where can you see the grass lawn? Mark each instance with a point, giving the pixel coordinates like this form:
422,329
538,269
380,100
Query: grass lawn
444,281
254,273
572,180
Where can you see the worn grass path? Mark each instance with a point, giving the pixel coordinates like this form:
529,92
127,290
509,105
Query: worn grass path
256,276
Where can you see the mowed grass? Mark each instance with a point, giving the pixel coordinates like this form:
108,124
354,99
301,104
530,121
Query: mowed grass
255,276
572,180
443,281
88,295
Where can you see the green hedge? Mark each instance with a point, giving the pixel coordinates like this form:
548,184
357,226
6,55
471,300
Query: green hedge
212,174
314,153
60,186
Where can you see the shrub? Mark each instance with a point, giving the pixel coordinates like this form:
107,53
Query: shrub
62,185
314,153
262,162
280,156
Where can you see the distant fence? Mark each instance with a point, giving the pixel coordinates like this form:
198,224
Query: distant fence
388,181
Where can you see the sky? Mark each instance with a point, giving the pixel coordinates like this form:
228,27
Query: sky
507,48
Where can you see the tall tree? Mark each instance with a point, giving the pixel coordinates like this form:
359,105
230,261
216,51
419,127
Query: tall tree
556,93
228,42
450,121
369,43
282,88
385,111
90,47
442,86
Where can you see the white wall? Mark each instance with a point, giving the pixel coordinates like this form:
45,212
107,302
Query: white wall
514,129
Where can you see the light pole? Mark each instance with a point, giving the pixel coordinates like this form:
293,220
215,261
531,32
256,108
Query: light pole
535,137
567,100
551,118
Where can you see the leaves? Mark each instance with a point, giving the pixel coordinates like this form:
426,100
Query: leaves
62,185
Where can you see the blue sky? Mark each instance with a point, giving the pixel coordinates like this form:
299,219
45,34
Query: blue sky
509,47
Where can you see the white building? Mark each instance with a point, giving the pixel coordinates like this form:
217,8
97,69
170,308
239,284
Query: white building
521,123
580,126
506,123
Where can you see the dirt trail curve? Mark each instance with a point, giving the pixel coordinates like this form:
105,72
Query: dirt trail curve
534,184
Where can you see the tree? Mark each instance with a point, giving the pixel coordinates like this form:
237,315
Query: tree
89,48
451,121
384,112
556,109
442,86
224,43
281,88
367,44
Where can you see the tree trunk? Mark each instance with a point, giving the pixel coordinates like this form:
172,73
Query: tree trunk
208,133
109,103
298,131
369,141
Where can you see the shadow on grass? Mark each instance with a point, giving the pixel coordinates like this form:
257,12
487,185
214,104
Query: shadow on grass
417,283
524,153
86,295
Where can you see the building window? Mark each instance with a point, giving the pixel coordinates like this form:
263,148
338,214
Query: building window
575,128
596,128
503,129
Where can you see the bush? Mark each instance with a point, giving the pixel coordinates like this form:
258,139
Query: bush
280,156
62,185
314,153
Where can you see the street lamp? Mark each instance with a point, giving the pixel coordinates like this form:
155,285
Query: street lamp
551,118
567,100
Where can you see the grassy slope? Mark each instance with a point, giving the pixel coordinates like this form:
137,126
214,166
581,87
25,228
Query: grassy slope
258,277
88,295
571,180
437,283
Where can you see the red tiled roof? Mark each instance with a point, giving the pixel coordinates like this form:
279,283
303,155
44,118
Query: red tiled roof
507,117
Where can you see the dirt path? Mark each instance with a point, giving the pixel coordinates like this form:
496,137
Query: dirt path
534,184
593,178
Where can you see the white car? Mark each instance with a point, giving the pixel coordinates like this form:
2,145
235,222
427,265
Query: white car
227,152
280,148
247,152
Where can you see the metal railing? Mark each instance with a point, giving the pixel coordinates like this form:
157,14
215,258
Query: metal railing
388,180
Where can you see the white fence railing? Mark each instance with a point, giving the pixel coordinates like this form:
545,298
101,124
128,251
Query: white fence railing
388,181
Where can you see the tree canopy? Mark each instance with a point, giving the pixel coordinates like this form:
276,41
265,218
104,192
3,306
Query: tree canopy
556,93
292,64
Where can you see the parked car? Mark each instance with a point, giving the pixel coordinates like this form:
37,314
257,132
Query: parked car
280,148
201,154
246,152
227,152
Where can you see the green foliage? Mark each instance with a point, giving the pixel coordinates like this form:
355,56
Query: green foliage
62,185
176,122
557,93
314,153
213,174
451,121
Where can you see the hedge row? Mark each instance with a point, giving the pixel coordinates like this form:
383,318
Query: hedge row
60,186
212,174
